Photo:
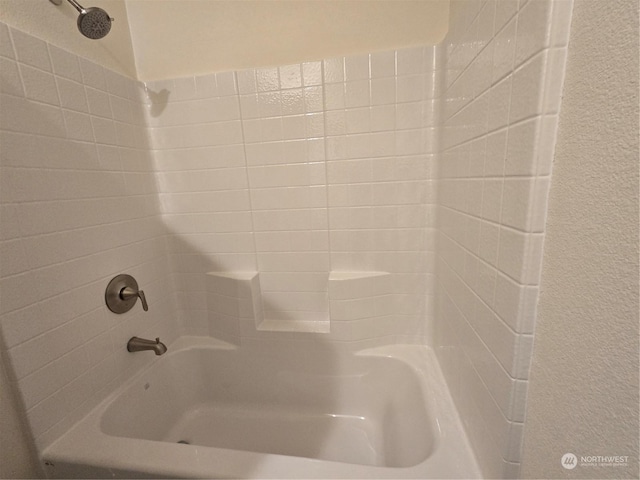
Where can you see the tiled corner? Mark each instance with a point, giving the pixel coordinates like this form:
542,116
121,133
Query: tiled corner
498,132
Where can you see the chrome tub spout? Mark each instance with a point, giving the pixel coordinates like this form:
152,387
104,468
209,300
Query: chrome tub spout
137,344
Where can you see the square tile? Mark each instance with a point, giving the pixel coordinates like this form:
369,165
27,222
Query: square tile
31,50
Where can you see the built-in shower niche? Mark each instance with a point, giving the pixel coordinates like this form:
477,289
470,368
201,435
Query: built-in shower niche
360,307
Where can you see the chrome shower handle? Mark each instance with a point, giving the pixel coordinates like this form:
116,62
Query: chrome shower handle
127,292
122,293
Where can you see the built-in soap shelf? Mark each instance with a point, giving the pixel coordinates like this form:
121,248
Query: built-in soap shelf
234,303
359,295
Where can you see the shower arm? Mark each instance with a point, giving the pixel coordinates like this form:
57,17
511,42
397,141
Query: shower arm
75,4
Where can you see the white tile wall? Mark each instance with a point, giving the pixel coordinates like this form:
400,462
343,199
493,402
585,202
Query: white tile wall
287,181
234,304
379,165
78,206
298,171
197,137
503,65
363,305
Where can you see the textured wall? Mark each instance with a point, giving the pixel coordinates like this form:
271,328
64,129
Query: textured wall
174,38
583,397
57,25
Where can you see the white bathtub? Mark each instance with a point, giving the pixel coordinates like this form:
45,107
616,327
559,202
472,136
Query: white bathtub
269,413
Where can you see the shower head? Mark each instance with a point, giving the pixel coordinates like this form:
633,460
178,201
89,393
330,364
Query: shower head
93,22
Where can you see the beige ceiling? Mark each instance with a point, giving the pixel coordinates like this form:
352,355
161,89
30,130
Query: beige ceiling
173,38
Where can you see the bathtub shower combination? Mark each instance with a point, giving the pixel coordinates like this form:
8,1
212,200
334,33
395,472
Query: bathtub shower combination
295,409
337,261
211,410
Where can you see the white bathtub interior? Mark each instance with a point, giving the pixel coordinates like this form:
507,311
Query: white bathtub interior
350,409
302,412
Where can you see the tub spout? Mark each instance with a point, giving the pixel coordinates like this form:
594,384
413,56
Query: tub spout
137,344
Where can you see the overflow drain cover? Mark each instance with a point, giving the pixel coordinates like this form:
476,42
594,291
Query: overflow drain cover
183,441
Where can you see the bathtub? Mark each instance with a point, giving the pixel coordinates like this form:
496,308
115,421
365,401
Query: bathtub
207,409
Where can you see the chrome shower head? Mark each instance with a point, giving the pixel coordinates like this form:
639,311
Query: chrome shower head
93,22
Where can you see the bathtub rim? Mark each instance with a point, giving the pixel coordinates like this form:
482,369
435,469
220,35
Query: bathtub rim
86,447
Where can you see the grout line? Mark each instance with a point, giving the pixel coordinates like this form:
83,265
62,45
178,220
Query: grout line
474,330
247,178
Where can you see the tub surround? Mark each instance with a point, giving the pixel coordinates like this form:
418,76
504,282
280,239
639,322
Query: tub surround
213,204
503,68
298,172
79,205
357,300
284,206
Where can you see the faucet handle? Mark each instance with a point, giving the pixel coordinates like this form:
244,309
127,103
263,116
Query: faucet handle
143,300
127,292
